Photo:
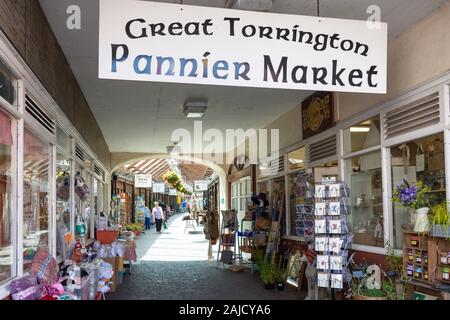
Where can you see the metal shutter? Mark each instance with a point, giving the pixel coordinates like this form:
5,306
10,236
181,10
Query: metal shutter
323,149
410,117
36,112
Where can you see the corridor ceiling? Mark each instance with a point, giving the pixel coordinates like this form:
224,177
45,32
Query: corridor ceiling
140,116
158,167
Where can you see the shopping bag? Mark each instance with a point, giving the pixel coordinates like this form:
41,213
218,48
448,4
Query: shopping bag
165,225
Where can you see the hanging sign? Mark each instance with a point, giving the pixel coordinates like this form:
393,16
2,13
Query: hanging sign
172,192
201,185
149,41
159,187
143,181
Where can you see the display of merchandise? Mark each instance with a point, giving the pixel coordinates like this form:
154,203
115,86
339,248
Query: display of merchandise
139,212
332,238
228,246
304,206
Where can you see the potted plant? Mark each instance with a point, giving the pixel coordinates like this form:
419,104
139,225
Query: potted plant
172,177
280,277
267,273
396,271
440,224
359,290
413,197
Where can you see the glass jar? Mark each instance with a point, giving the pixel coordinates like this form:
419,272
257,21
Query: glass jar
418,273
418,258
444,259
410,270
410,255
446,273
415,241
425,258
425,275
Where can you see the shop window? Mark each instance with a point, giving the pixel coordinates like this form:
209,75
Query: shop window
419,160
63,140
365,181
63,217
36,212
8,85
296,159
362,136
6,197
84,207
326,171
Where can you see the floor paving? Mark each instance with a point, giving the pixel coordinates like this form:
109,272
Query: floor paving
174,265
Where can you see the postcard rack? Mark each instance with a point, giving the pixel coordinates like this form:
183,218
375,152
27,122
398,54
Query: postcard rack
332,238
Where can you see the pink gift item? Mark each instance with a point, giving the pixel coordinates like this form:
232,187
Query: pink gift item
45,267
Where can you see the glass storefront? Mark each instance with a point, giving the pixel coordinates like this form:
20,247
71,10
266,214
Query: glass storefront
6,196
63,217
364,177
419,160
36,192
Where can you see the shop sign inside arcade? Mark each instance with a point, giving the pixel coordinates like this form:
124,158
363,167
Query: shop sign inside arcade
149,41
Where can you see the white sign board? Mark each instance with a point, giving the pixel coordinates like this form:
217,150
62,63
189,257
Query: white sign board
201,185
159,188
173,192
149,41
143,181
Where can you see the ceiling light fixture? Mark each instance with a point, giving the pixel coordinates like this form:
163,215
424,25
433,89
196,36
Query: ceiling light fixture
195,109
359,129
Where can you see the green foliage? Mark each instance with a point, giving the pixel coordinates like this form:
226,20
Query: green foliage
440,216
133,227
267,270
281,274
393,262
388,287
413,197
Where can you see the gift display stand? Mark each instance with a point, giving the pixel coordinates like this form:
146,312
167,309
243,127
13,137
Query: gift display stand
228,247
332,238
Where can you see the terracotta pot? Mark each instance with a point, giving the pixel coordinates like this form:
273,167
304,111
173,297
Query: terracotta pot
368,298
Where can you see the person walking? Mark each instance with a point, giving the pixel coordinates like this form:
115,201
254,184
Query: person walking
148,218
158,214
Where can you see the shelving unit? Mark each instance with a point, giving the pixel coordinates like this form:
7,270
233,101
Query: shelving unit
423,264
228,238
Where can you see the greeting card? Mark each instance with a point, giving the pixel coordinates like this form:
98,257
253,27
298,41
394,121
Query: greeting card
335,208
320,191
335,190
336,263
337,281
320,209
323,262
320,226
335,245
335,227
321,244
323,279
